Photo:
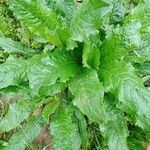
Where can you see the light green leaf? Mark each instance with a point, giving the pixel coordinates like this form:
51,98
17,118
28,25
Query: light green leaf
91,52
14,47
17,113
22,139
65,64
63,131
50,108
42,20
88,95
12,72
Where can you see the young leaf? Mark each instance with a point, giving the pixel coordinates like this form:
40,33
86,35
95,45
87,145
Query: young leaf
82,125
50,108
91,52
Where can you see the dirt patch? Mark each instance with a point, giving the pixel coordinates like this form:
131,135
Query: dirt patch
44,139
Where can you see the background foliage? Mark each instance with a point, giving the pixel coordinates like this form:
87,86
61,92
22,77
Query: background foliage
80,68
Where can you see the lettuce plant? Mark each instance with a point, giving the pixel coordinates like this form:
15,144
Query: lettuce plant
81,67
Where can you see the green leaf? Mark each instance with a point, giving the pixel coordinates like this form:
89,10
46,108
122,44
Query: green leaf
14,47
135,144
91,52
145,68
22,139
82,125
51,90
115,130
63,131
118,12
137,138
45,23
50,108
17,113
87,20
65,64
12,72
11,92
6,23
120,79
141,13
60,64
120,41
40,74
3,27
66,7
88,95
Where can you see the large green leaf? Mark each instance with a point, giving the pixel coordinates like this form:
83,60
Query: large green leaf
118,12
120,78
63,131
50,108
12,72
87,19
13,92
44,71
115,131
88,95
66,8
27,133
14,47
141,13
17,113
42,20
51,90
